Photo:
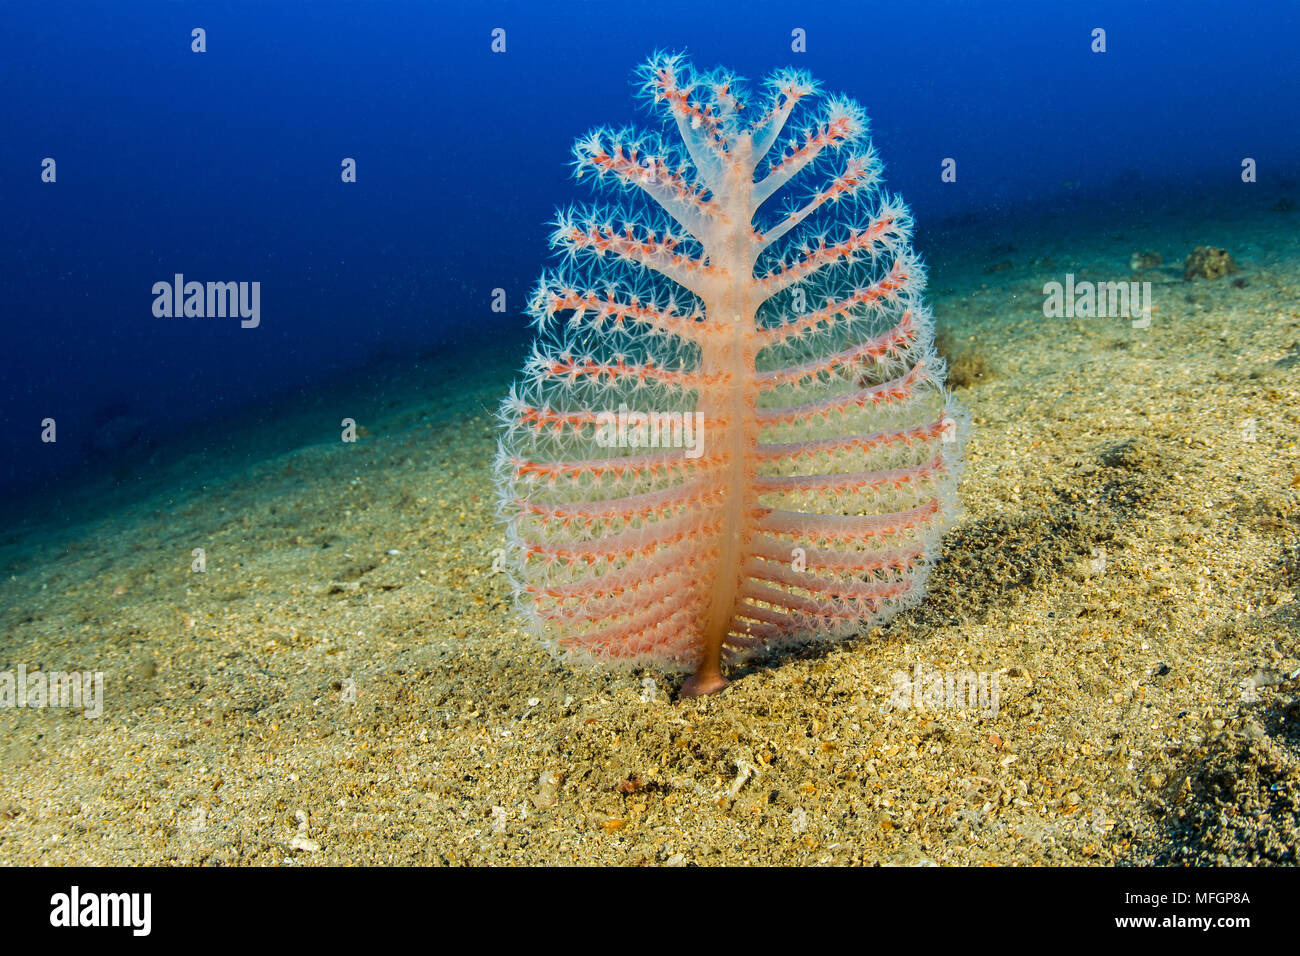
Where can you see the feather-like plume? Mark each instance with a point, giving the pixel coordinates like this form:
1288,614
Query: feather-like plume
733,432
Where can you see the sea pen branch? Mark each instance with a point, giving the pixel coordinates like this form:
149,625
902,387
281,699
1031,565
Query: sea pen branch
860,173
648,250
843,125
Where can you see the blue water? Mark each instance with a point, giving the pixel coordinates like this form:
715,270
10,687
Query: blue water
225,165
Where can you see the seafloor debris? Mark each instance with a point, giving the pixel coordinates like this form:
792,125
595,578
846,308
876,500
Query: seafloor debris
1208,262
1145,260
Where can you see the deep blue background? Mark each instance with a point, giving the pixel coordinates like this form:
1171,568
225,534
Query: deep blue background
225,165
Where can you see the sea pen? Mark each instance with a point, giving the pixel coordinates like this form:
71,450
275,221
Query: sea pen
733,431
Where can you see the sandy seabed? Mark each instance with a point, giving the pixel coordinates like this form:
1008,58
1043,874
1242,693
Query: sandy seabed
346,683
